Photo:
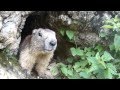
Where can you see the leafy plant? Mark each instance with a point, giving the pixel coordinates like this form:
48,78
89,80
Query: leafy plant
95,61
69,33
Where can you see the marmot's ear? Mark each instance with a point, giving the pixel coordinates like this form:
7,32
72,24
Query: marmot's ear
34,31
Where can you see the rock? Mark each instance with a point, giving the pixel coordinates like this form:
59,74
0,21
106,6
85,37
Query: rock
11,23
10,73
1,22
87,39
15,72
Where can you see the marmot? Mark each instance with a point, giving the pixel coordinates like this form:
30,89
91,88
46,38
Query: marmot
37,50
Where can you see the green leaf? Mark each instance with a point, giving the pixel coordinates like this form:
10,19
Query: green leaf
76,51
107,27
69,66
83,63
70,72
99,48
92,60
77,65
74,76
112,47
116,19
103,64
70,34
64,70
112,68
102,34
73,51
78,70
115,27
117,42
93,68
118,76
93,53
62,32
118,25
97,56
88,54
100,74
106,56
79,52
87,49
107,74
84,74
70,60
109,21
61,65
54,71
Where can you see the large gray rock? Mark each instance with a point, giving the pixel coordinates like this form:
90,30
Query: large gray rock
11,24
84,23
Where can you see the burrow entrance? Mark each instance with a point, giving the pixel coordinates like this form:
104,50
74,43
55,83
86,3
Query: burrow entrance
41,19
38,19
34,21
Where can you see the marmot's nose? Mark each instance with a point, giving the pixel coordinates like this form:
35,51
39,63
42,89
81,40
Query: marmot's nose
53,43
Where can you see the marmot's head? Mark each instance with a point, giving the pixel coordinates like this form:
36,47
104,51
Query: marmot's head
44,40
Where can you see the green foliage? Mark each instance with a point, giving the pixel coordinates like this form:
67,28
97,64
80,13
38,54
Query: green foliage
96,61
70,60
108,26
76,51
54,70
117,42
113,24
62,32
7,59
64,70
89,64
70,34
106,56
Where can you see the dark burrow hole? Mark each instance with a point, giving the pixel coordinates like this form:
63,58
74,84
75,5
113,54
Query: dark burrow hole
34,21
38,19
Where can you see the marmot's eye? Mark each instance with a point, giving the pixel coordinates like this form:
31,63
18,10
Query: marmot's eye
40,34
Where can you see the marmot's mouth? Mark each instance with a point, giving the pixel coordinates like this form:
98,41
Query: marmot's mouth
48,50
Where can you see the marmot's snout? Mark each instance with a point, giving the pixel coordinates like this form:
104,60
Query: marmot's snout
51,45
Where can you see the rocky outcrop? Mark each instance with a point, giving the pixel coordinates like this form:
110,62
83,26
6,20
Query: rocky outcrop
11,25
